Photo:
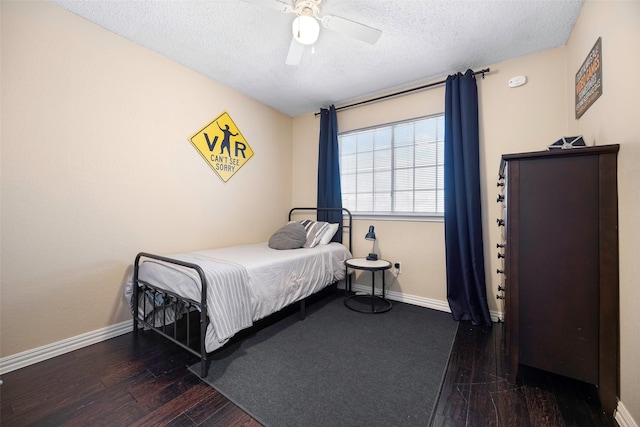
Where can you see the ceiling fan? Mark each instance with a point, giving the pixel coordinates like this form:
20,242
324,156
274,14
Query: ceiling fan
306,29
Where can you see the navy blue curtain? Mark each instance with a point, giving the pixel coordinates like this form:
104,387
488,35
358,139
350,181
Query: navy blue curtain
466,290
329,191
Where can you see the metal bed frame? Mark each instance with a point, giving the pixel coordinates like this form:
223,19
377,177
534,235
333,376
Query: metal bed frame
170,330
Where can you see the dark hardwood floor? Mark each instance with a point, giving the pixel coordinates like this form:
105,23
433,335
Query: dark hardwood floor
120,382
126,381
475,391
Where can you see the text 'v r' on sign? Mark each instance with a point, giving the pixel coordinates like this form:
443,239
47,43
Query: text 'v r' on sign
222,146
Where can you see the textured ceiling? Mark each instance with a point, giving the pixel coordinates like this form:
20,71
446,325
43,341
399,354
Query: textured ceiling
244,43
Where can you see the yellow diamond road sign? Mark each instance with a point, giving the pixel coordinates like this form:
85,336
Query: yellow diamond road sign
222,146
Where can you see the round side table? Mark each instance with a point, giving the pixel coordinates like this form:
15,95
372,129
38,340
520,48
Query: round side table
368,303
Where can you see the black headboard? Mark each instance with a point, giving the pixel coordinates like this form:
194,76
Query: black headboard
344,227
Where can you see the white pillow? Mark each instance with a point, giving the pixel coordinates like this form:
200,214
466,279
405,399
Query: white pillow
314,230
329,232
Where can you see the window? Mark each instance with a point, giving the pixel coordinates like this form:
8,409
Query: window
395,169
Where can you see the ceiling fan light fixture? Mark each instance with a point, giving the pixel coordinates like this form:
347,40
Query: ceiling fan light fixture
305,29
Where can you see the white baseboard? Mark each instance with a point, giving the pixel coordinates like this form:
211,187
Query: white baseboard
623,417
409,299
29,357
419,301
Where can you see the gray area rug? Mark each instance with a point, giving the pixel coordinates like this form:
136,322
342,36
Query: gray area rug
338,367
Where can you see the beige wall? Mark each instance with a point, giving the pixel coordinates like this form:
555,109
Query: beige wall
96,166
615,119
512,120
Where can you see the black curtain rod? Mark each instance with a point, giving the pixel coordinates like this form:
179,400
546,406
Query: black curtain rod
391,95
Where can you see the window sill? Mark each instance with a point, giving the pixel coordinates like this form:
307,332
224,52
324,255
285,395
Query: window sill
398,217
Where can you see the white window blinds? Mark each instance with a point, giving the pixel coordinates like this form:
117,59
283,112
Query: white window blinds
394,169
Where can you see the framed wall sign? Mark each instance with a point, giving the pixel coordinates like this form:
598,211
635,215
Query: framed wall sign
589,79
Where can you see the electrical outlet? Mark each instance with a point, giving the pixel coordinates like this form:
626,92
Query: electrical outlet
397,267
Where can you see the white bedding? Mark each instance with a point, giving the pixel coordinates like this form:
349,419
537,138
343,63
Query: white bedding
273,280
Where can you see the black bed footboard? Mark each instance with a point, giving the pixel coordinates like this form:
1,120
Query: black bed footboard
161,297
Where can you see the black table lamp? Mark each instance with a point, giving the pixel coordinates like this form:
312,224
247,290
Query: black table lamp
371,236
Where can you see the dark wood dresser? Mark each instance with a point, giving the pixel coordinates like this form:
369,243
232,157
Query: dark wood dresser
560,254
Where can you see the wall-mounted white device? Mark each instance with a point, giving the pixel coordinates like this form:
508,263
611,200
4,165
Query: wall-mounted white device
517,81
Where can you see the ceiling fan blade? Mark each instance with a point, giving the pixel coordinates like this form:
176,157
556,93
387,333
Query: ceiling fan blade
279,5
351,28
295,53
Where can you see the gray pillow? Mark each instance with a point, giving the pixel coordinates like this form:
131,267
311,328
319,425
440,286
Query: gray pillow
291,236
